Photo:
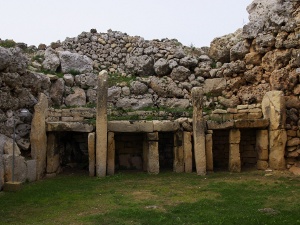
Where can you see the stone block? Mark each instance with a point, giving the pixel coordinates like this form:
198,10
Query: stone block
260,123
240,116
53,157
69,126
67,119
12,186
234,158
209,152
130,126
262,165
227,117
262,144
153,155
110,153
165,126
277,140
253,116
293,142
234,136
232,110
295,170
31,170
20,168
1,171
187,149
213,125
178,163
240,107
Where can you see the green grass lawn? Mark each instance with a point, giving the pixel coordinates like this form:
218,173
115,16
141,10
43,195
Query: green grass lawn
167,198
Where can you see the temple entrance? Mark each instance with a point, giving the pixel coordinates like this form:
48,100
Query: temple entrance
220,150
247,149
129,151
166,150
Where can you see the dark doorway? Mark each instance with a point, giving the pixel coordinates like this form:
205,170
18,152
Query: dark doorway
220,150
129,151
166,148
247,149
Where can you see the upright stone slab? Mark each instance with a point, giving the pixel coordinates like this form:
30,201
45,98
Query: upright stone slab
111,153
199,131
178,163
262,144
38,137
53,158
145,153
20,168
1,171
187,149
153,155
273,108
91,148
31,170
101,124
209,152
234,151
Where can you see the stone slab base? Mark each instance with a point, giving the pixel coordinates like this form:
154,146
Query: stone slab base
12,186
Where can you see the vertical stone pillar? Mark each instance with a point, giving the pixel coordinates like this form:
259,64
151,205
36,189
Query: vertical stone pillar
53,158
187,150
209,152
38,137
261,146
234,150
199,131
111,153
273,108
91,148
178,163
145,153
101,124
153,156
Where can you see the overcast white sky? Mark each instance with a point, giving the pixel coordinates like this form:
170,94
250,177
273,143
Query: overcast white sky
194,22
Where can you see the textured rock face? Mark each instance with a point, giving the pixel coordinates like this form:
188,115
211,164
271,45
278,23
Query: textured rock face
57,91
51,61
12,60
141,65
78,98
161,67
73,61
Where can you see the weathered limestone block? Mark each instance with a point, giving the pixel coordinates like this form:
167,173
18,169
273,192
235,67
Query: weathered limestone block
209,152
277,140
234,158
91,149
178,164
20,168
262,144
69,126
295,170
1,171
38,136
213,125
293,142
187,149
8,146
53,159
259,123
273,107
262,164
111,153
145,153
101,124
31,170
130,126
153,155
199,131
234,150
165,126
214,86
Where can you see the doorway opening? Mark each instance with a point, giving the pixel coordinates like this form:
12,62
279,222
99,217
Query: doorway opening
247,149
220,150
166,150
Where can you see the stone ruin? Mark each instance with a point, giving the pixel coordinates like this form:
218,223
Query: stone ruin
109,101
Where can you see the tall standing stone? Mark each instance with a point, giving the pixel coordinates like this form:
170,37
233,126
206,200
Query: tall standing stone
1,171
145,153
262,149
187,149
153,155
234,150
101,124
38,137
91,148
199,131
273,107
111,153
53,159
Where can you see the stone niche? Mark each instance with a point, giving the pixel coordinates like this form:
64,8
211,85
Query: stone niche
220,150
129,151
248,152
67,151
166,150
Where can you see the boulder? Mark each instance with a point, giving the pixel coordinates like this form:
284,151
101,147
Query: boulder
1,170
78,98
20,169
239,50
69,80
113,93
264,43
165,87
51,61
6,146
133,103
75,62
141,65
57,91
188,62
13,60
180,73
86,80
214,86
138,88
275,60
161,67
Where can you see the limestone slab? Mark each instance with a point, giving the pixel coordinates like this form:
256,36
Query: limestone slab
165,126
31,170
277,140
262,165
130,126
178,164
262,144
53,159
153,156
213,125
187,149
92,150
69,126
259,123
111,153
234,158
209,152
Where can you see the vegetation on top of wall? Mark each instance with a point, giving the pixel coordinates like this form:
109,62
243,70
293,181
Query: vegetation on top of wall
7,43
